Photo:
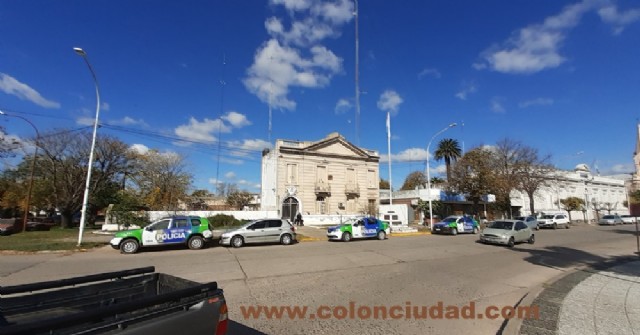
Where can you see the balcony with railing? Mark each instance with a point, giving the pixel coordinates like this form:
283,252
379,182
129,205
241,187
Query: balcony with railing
351,189
322,188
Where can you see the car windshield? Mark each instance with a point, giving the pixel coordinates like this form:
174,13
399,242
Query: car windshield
608,217
501,225
450,219
547,216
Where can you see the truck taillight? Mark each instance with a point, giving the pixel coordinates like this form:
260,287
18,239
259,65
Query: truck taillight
223,320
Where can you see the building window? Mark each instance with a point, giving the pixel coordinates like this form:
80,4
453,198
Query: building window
292,174
321,205
321,175
371,179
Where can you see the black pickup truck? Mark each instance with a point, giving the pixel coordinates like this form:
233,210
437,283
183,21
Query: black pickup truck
136,301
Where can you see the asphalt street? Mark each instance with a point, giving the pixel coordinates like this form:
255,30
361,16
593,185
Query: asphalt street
412,270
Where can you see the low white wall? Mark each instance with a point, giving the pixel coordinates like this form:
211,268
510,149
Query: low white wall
240,215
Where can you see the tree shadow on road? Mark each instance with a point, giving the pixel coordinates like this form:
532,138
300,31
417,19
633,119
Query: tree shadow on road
622,231
564,258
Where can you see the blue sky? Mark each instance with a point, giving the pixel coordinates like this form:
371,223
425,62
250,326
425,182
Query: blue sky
179,76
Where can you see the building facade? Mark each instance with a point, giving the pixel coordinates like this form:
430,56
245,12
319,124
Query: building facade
326,177
603,195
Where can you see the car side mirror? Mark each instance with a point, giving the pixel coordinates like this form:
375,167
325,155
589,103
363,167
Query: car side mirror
147,228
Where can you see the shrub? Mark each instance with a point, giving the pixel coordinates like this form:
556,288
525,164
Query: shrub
223,220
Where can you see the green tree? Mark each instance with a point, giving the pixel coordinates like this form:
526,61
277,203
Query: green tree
474,175
449,150
572,204
413,180
128,209
634,197
384,184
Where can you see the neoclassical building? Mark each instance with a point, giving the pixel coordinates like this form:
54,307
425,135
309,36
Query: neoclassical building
602,195
329,176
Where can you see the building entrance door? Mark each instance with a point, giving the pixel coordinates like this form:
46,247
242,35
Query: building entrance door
290,208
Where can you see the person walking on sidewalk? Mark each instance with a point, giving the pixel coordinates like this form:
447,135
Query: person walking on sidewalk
298,221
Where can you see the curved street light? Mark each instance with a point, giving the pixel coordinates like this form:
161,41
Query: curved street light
85,200
428,172
33,168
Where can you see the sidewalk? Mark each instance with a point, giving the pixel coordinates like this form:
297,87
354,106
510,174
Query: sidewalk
600,300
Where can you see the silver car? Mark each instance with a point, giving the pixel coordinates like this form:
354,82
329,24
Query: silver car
531,221
507,232
610,219
260,231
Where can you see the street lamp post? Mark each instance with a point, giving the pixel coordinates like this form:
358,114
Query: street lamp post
429,173
33,168
85,200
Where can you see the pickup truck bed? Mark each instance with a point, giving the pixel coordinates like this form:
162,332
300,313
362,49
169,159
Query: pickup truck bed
136,301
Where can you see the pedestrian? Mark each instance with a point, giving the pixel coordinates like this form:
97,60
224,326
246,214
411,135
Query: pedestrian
298,220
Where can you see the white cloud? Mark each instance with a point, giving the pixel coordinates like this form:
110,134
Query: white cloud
536,102
105,106
429,72
408,155
343,106
244,147
619,20
201,131
231,161
139,148
390,101
12,86
128,121
278,67
230,175
294,57
497,105
85,121
236,119
466,90
623,168
536,47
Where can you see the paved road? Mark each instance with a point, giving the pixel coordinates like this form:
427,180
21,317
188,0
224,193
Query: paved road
419,270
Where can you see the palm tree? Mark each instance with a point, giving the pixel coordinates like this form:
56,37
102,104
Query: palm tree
449,149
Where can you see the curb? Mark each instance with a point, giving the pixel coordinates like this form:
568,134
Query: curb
409,234
552,292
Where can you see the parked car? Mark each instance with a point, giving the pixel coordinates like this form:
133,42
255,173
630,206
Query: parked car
9,226
261,231
507,232
455,224
553,221
531,221
38,226
628,219
610,219
190,230
364,227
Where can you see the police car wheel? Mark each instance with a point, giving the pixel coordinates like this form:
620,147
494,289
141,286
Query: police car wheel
382,235
346,237
237,241
129,246
196,242
285,239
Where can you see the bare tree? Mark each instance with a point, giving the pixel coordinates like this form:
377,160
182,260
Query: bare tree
62,169
161,179
413,180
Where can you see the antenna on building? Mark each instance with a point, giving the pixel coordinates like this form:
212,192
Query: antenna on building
222,85
357,79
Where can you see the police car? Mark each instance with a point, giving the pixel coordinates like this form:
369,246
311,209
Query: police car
366,227
455,224
190,230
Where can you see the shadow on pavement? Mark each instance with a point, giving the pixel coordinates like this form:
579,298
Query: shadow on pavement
236,328
623,231
565,258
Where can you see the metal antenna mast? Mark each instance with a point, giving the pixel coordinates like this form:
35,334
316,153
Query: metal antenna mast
222,84
357,78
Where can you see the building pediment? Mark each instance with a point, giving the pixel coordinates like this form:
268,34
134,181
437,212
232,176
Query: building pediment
334,144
